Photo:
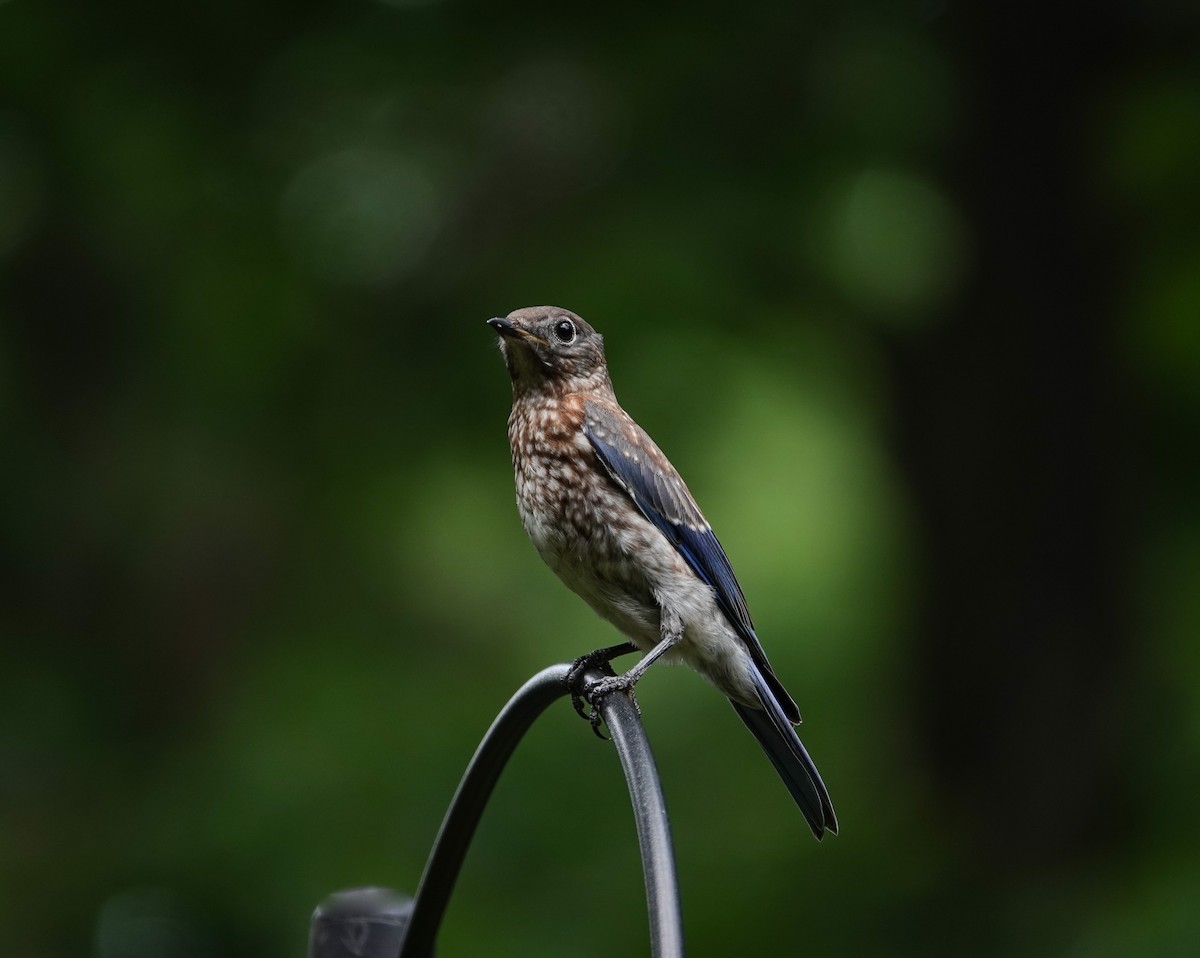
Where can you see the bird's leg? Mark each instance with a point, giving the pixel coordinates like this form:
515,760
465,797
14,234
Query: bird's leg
670,631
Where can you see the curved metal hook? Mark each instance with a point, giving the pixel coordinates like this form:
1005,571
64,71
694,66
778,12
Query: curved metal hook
620,714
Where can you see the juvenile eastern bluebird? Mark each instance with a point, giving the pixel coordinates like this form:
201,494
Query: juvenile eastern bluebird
613,519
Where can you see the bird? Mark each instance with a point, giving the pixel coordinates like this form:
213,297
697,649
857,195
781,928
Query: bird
614,520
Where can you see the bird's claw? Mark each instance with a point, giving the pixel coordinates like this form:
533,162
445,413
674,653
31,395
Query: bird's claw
595,720
594,694
585,698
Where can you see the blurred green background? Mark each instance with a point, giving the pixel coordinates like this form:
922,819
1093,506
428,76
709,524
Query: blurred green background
910,292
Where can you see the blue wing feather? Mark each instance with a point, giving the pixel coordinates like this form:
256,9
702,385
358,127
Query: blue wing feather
638,466
689,533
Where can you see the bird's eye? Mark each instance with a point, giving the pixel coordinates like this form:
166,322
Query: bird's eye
564,331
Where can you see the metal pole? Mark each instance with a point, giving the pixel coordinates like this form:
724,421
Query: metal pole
462,817
653,827
466,808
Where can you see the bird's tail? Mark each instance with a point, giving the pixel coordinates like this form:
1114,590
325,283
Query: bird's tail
787,753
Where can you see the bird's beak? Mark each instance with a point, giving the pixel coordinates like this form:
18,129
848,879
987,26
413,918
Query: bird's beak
510,330
503,326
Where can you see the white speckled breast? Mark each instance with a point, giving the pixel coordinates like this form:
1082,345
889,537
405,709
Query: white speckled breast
589,533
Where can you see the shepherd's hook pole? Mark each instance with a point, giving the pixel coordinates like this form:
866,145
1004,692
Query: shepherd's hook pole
633,749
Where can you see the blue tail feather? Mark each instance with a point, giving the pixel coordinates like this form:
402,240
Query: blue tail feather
779,740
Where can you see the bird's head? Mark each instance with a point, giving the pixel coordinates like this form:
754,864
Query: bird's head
549,348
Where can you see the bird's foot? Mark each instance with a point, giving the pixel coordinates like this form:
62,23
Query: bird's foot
610,684
584,697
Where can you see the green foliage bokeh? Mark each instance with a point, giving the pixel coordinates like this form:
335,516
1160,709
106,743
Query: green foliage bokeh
264,584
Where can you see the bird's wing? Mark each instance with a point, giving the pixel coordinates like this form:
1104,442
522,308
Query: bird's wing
639,467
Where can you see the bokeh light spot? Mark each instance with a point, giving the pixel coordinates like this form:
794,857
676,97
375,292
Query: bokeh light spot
893,245
554,120
1163,331
362,217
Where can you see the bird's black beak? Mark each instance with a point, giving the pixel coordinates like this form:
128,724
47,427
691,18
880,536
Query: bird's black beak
510,330
504,327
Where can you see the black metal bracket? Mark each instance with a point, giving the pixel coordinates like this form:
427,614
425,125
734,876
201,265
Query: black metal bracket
377,923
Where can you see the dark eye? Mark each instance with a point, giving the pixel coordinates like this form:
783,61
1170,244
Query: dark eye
564,331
